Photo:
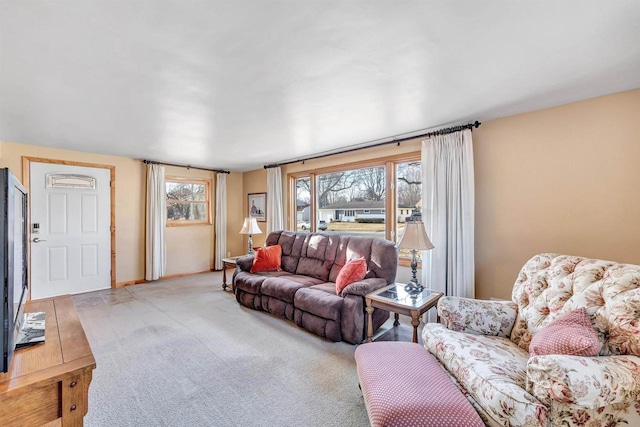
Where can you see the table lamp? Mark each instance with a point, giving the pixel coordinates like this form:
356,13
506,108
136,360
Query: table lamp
250,227
414,238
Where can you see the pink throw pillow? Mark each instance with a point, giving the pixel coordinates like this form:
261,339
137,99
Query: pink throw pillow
570,334
352,271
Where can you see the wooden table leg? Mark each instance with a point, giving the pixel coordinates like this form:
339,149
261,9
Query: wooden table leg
369,311
415,321
224,276
396,321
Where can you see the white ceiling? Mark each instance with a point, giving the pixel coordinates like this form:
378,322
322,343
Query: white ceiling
238,84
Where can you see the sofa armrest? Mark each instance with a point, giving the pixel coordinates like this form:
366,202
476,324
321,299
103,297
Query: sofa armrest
590,382
363,287
479,317
245,263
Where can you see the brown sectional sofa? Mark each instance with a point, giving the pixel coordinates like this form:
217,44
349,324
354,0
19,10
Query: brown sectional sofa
305,290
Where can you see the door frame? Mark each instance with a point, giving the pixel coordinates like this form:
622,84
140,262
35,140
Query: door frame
26,169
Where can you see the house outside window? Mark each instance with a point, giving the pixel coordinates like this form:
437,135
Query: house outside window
188,201
353,194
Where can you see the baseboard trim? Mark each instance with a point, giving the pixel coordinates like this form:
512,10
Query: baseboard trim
170,276
193,273
130,282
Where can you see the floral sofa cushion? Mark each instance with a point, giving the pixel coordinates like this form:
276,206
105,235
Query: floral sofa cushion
478,317
493,371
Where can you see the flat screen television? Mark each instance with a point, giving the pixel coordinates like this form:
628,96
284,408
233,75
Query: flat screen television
13,261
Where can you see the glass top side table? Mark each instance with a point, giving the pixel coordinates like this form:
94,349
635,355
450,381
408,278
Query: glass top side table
394,298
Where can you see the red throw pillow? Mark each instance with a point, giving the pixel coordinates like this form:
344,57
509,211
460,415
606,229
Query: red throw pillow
267,258
352,271
570,334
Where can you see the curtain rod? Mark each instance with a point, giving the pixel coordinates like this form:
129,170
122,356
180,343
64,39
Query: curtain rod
443,131
152,162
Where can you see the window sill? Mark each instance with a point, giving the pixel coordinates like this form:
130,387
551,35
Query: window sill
186,223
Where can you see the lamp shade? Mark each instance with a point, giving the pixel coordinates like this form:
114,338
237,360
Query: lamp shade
415,236
250,226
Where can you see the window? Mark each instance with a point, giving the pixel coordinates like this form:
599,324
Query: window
345,199
408,196
303,204
187,201
354,198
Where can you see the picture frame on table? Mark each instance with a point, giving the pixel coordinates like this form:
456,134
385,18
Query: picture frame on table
257,205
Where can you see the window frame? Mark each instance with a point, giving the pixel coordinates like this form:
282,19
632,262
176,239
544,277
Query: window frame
390,209
206,201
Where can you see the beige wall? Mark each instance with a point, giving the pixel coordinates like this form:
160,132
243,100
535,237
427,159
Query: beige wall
254,182
189,249
236,200
563,179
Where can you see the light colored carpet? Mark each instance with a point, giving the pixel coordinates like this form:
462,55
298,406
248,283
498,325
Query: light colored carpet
183,352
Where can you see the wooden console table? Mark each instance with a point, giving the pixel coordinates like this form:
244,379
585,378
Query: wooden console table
48,384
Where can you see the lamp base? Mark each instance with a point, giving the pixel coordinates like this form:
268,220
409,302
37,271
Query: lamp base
413,289
250,246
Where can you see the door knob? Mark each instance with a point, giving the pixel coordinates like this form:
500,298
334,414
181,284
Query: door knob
38,240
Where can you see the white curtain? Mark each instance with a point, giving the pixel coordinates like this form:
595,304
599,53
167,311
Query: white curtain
155,251
275,210
221,220
448,213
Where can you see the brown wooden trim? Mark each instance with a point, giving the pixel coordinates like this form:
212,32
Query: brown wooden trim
391,224
26,167
130,282
361,164
185,223
170,276
193,273
312,203
292,207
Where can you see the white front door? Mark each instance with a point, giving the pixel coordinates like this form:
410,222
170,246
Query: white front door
70,229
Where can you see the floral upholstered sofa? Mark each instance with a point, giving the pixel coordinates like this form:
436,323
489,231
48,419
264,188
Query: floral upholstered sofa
484,345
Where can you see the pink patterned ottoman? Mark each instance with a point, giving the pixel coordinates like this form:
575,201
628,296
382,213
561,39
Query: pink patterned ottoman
403,385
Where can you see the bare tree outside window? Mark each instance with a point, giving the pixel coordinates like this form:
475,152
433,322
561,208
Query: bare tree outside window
187,202
372,182
409,177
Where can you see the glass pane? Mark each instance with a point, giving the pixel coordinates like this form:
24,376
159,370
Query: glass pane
186,211
408,196
303,204
353,202
55,180
186,191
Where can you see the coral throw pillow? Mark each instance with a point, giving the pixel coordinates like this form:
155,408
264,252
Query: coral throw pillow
352,271
267,258
570,334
